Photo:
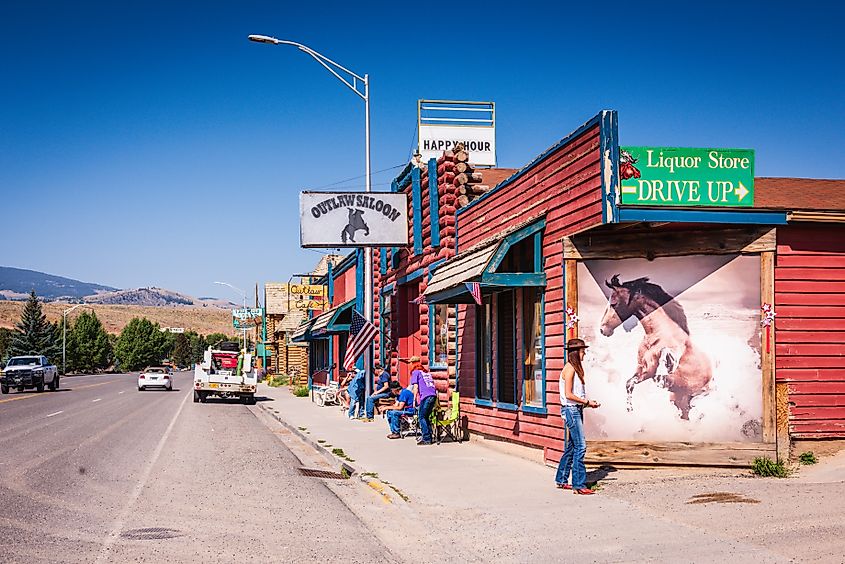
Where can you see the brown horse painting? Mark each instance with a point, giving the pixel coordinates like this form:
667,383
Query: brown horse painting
666,353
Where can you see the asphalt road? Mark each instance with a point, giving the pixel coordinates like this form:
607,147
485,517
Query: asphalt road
99,472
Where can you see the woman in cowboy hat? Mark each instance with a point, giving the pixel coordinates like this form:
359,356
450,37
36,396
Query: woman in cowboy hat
573,400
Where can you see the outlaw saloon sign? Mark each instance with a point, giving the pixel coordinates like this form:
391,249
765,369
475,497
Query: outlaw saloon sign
369,219
673,176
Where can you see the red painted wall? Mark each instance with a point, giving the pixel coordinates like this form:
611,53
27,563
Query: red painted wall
565,187
810,327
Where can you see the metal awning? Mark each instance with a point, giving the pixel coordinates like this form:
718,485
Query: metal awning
300,334
333,321
449,282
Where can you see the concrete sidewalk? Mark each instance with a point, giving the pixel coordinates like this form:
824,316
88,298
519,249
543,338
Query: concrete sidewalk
482,504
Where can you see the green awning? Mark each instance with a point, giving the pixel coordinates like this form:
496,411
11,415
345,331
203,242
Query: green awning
333,321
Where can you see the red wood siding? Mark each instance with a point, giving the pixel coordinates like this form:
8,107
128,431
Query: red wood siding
810,327
565,188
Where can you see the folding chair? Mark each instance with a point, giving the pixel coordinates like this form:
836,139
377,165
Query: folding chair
449,425
409,424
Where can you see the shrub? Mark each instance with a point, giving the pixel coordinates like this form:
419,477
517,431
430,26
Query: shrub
276,381
807,458
766,467
301,391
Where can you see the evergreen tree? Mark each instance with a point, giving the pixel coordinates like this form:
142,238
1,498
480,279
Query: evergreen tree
88,345
5,341
181,355
141,344
35,335
198,345
215,339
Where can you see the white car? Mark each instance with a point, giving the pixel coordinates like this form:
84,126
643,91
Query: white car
155,377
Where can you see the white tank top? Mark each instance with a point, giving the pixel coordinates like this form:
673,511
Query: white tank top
578,389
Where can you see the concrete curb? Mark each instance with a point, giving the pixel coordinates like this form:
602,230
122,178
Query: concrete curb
330,457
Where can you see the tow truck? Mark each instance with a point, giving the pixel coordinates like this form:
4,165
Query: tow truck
226,372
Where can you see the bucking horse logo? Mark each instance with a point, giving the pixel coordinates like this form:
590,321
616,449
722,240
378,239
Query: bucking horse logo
356,222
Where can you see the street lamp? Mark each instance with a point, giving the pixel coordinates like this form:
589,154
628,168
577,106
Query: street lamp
335,69
243,295
64,335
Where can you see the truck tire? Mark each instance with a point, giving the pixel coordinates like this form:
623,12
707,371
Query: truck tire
39,387
196,397
54,383
4,389
202,397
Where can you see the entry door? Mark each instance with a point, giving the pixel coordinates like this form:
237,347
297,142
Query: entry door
409,328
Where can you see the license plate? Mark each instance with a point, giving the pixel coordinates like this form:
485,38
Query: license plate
213,386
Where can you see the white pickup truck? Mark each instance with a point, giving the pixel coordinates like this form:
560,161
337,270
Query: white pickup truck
225,373
24,372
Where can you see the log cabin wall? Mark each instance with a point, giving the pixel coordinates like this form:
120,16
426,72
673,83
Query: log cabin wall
434,190
810,327
565,186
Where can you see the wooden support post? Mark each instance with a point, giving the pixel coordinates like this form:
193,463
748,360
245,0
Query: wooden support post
767,348
571,273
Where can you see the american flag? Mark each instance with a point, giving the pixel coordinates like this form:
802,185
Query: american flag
419,299
475,290
361,334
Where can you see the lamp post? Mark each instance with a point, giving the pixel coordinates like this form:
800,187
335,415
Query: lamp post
243,295
336,69
64,335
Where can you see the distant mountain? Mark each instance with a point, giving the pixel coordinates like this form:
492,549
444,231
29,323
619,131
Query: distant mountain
17,283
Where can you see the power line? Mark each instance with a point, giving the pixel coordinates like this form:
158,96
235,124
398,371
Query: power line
361,176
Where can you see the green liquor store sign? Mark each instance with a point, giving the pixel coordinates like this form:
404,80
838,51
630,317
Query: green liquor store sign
683,177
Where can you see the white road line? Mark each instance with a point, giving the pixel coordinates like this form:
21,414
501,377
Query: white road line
52,414
118,393
96,400
124,515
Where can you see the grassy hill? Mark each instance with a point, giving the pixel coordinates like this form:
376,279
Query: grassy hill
203,320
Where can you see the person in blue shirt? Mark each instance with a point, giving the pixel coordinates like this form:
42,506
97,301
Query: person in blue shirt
404,406
356,394
382,390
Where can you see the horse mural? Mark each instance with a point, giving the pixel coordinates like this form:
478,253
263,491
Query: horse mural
666,354
355,223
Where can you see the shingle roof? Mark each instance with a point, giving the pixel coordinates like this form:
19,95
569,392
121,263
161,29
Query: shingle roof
799,194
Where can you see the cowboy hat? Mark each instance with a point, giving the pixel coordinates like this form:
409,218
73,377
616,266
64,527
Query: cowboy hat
576,344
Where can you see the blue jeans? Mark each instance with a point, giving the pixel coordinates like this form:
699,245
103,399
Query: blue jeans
394,418
356,398
371,403
426,406
575,449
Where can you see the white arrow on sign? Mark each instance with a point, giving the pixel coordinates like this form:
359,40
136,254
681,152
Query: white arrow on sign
741,191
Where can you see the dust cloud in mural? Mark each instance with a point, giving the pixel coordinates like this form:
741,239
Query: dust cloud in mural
674,348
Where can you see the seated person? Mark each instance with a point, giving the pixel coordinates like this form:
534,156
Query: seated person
382,390
343,386
404,405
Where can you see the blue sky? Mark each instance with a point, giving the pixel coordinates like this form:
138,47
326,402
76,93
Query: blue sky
150,144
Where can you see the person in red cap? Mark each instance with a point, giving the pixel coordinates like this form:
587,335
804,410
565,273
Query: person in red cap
573,400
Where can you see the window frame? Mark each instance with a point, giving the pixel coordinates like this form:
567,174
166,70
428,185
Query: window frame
451,310
484,332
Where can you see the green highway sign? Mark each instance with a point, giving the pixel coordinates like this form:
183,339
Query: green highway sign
684,177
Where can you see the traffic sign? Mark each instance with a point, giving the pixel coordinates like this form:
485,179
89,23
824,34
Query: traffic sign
686,177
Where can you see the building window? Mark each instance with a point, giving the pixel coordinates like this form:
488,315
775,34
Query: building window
385,322
506,347
319,351
342,338
441,333
532,345
484,350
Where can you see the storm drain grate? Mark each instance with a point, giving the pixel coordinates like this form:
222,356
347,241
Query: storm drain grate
314,473
151,533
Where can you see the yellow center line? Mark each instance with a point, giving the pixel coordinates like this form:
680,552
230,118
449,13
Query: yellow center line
43,395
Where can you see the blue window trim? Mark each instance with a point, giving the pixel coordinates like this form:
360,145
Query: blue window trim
431,336
703,216
433,266
383,349
434,203
348,262
330,281
416,197
512,239
506,406
512,329
388,288
539,408
484,402
382,258
479,313
411,277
